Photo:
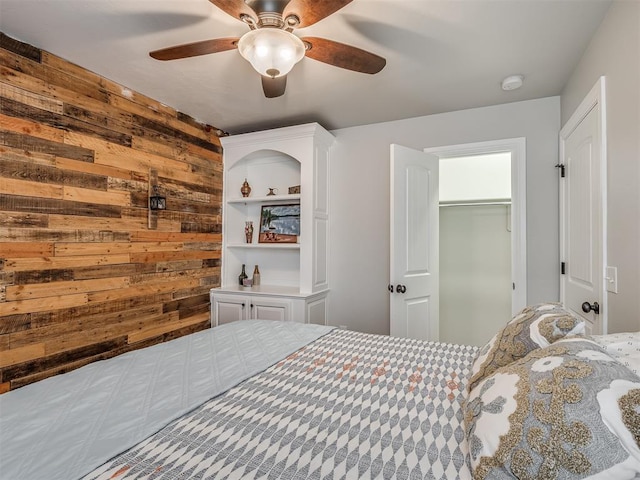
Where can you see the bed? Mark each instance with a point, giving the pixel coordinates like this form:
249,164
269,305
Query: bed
263,399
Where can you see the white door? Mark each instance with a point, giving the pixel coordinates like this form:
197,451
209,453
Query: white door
414,244
582,219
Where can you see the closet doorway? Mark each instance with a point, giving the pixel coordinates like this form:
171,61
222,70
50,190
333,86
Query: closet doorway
482,238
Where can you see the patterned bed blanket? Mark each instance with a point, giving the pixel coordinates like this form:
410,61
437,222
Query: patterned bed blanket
348,405
65,426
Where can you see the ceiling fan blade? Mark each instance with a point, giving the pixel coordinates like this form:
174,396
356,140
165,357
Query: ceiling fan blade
343,56
196,48
311,11
235,8
274,87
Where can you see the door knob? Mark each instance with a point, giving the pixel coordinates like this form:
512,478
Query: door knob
390,288
401,288
587,307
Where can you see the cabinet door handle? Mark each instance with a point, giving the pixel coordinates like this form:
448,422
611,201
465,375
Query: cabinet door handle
252,305
390,288
242,304
401,288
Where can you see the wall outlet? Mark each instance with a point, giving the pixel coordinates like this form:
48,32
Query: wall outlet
611,279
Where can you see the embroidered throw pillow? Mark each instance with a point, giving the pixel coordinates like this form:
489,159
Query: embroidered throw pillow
566,411
534,327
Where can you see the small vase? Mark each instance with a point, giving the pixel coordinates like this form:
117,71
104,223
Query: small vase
245,190
248,232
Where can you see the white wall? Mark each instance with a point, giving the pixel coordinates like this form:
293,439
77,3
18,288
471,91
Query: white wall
475,273
614,52
359,241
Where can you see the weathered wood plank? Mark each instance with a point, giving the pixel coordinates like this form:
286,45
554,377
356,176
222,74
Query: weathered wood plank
29,127
30,189
100,170
114,248
188,227
26,292
101,311
22,203
25,249
40,305
62,222
15,323
155,257
29,98
20,48
72,235
85,195
24,170
28,142
154,331
149,289
146,236
47,362
61,336
18,219
53,263
68,121
21,354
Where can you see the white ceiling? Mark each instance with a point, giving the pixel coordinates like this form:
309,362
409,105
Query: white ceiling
442,55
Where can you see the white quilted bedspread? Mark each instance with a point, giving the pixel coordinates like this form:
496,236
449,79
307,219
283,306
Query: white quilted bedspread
65,426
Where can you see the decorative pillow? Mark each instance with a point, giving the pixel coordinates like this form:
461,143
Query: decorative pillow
566,411
534,327
624,347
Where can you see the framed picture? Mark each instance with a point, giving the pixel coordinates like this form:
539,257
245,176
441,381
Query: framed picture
279,224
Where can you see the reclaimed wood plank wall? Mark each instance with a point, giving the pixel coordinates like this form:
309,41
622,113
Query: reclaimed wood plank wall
82,277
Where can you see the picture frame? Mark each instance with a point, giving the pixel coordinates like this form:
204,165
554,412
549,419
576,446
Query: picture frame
279,223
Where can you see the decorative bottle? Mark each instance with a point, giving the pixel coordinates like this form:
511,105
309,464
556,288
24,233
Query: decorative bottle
248,232
242,276
256,275
245,190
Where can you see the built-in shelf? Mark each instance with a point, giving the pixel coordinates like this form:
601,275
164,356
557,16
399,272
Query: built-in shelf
294,276
282,290
274,246
294,197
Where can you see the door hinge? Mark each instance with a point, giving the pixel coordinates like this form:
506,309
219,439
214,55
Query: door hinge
563,268
562,168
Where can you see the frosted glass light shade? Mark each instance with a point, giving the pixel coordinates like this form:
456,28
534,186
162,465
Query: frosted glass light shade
271,51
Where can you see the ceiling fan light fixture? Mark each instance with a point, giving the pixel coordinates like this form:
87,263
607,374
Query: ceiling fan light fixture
271,51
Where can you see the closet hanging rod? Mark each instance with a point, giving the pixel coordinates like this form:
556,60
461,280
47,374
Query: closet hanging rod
473,204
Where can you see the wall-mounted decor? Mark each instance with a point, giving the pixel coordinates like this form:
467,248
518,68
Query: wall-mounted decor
294,189
155,200
279,223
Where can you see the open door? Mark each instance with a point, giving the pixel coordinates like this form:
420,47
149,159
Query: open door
582,212
414,244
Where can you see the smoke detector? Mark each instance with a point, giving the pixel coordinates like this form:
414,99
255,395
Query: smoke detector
512,82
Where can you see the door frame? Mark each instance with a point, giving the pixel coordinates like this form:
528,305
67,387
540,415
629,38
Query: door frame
596,98
518,149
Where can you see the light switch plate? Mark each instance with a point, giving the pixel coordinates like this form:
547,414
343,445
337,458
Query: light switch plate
611,279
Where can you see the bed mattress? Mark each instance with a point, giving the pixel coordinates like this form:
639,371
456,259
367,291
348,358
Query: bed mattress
348,405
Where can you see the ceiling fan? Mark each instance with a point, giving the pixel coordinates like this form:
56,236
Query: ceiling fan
272,48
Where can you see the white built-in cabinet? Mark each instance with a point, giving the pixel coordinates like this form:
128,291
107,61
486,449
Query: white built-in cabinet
293,276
